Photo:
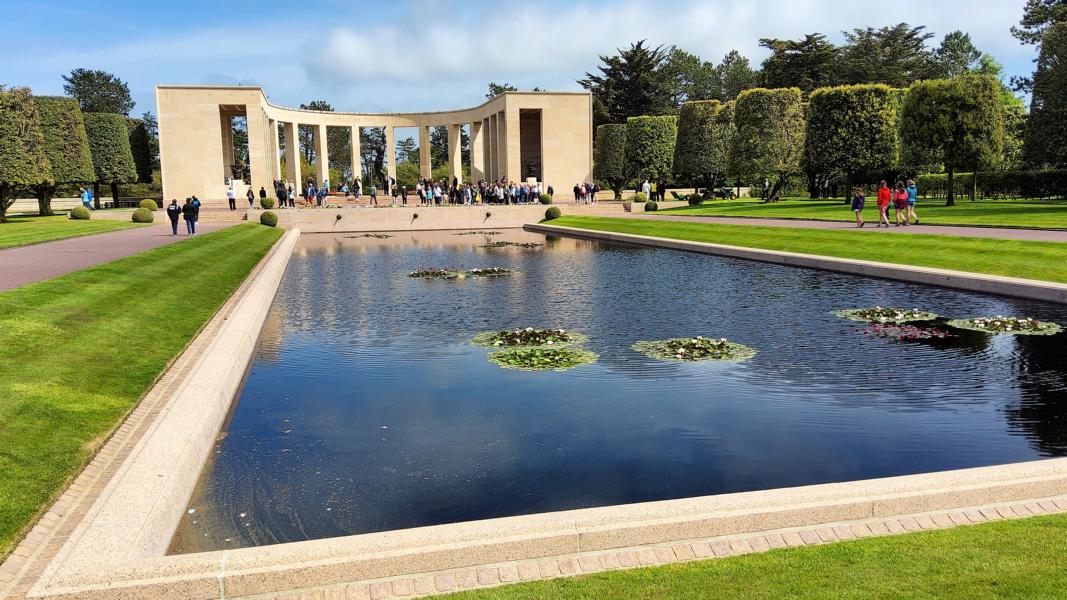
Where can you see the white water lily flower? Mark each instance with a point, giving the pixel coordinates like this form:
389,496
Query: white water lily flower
529,329
549,342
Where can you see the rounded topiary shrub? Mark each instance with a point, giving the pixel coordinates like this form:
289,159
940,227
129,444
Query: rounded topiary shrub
545,199
148,204
640,197
651,206
269,219
695,199
142,215
266,203
80,213
553,212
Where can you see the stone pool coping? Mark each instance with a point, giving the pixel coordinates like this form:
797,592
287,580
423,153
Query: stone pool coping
107,535
1031,289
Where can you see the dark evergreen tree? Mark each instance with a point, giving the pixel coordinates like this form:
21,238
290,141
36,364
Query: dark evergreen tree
807,64
630,84
98,91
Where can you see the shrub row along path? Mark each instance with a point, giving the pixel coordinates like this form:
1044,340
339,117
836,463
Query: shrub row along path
24,265
1003,233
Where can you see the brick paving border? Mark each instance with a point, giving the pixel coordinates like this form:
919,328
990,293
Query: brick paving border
494,575
28,560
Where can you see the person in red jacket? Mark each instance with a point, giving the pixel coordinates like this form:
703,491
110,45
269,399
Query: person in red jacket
900,203
884,196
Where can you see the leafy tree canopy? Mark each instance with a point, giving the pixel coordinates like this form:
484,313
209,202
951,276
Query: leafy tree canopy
98,91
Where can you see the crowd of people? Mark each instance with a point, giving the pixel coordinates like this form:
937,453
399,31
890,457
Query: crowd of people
902,198
653,190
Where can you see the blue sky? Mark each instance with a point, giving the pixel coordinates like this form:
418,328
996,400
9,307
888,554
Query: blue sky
428,55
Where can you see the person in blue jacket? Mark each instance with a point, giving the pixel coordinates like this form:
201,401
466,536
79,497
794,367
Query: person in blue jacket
913,194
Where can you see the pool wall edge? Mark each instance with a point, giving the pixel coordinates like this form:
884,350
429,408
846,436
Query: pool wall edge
1046,291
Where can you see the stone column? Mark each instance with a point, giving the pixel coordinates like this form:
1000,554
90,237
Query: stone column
259,145
390,152
504,170
477,153
226,122
491,143
322,156
357,159
425,166
292,157
455,152
512,159
277,154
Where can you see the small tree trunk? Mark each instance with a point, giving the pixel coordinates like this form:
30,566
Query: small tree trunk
5,201
96,195
44,201
115,194
950,192
848,188
974,192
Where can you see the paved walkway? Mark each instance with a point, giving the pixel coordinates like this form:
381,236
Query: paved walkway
29,264
1037,235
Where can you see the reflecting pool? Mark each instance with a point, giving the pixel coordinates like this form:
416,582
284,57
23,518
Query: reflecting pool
367,409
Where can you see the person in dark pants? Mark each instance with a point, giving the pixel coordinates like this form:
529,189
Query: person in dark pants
189,214
173,212
262,193
251,198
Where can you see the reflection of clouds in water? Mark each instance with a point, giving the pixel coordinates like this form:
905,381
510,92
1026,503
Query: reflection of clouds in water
355,345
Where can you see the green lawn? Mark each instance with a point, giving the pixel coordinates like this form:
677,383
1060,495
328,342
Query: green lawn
78,351
20,231
1033,213
1031,260
1007,559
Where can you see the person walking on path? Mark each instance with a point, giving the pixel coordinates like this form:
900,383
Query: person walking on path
231,198
251,198
87,199
913,195
173,212
373,194
196,212
858,199
291,194
884,196
900,204
189,214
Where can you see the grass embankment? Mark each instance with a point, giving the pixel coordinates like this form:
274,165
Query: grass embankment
1006,559
22,231
78,351
1030,260
1032,213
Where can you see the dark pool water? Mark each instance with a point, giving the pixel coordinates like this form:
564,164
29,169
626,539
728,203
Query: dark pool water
366,409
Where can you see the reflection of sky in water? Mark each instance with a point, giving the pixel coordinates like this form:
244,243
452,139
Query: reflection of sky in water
366,408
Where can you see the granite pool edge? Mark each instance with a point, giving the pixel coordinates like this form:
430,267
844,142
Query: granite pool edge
1031,289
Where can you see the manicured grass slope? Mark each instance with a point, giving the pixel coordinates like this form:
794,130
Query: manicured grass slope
1030,260
78,351
20,231
1006,559
1034,213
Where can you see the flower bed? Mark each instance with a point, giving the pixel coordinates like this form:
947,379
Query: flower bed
695,349
439,273
1009,325
906,332
512,245
542,359
886,315
528,337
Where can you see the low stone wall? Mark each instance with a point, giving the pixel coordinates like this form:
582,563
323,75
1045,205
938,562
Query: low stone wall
1046,291
343,220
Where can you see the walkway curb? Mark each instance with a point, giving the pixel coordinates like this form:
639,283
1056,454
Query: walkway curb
847,221
1031,289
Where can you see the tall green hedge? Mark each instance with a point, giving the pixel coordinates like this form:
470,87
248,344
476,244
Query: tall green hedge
23,161
958,123
705,133
650,147
853,131
769,140
65,144
609,157
109,143
141,148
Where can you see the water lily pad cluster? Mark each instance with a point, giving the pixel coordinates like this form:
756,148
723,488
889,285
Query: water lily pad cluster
480,233
695,349
529,336
448,273
528,245
906,332
1009,325
377,236
879,314
541,358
